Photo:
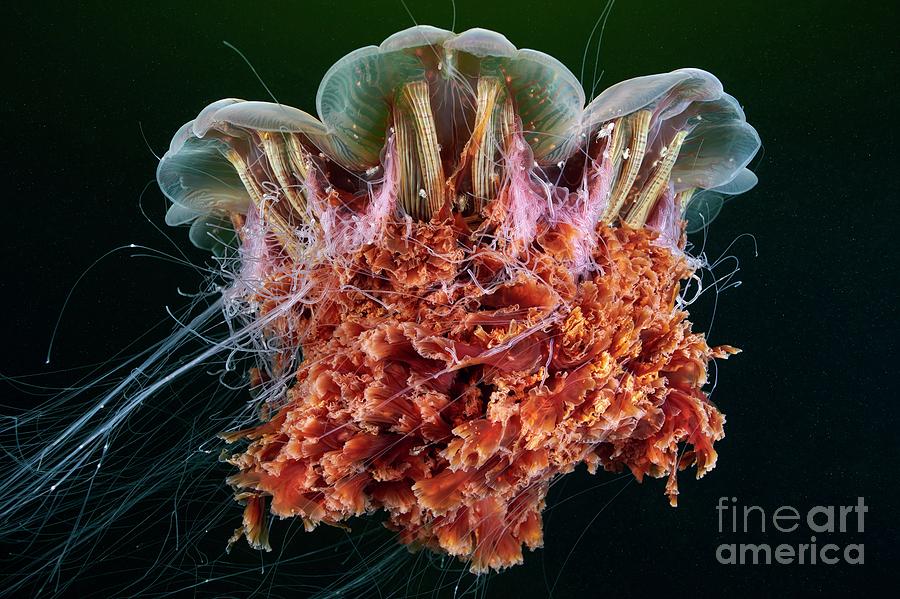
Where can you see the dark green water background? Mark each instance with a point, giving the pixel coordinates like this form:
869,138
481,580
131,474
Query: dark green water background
812,401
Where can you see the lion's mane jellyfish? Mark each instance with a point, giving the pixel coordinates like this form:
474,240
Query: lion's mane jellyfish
463,283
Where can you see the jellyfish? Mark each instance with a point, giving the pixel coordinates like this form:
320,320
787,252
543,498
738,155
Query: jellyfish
456,284
469,282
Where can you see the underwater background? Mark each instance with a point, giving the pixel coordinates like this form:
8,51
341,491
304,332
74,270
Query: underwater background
92,90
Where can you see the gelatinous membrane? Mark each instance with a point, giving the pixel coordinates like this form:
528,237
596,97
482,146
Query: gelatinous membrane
423,83
702,208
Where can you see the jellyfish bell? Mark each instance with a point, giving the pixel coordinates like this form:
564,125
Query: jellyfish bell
451,86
